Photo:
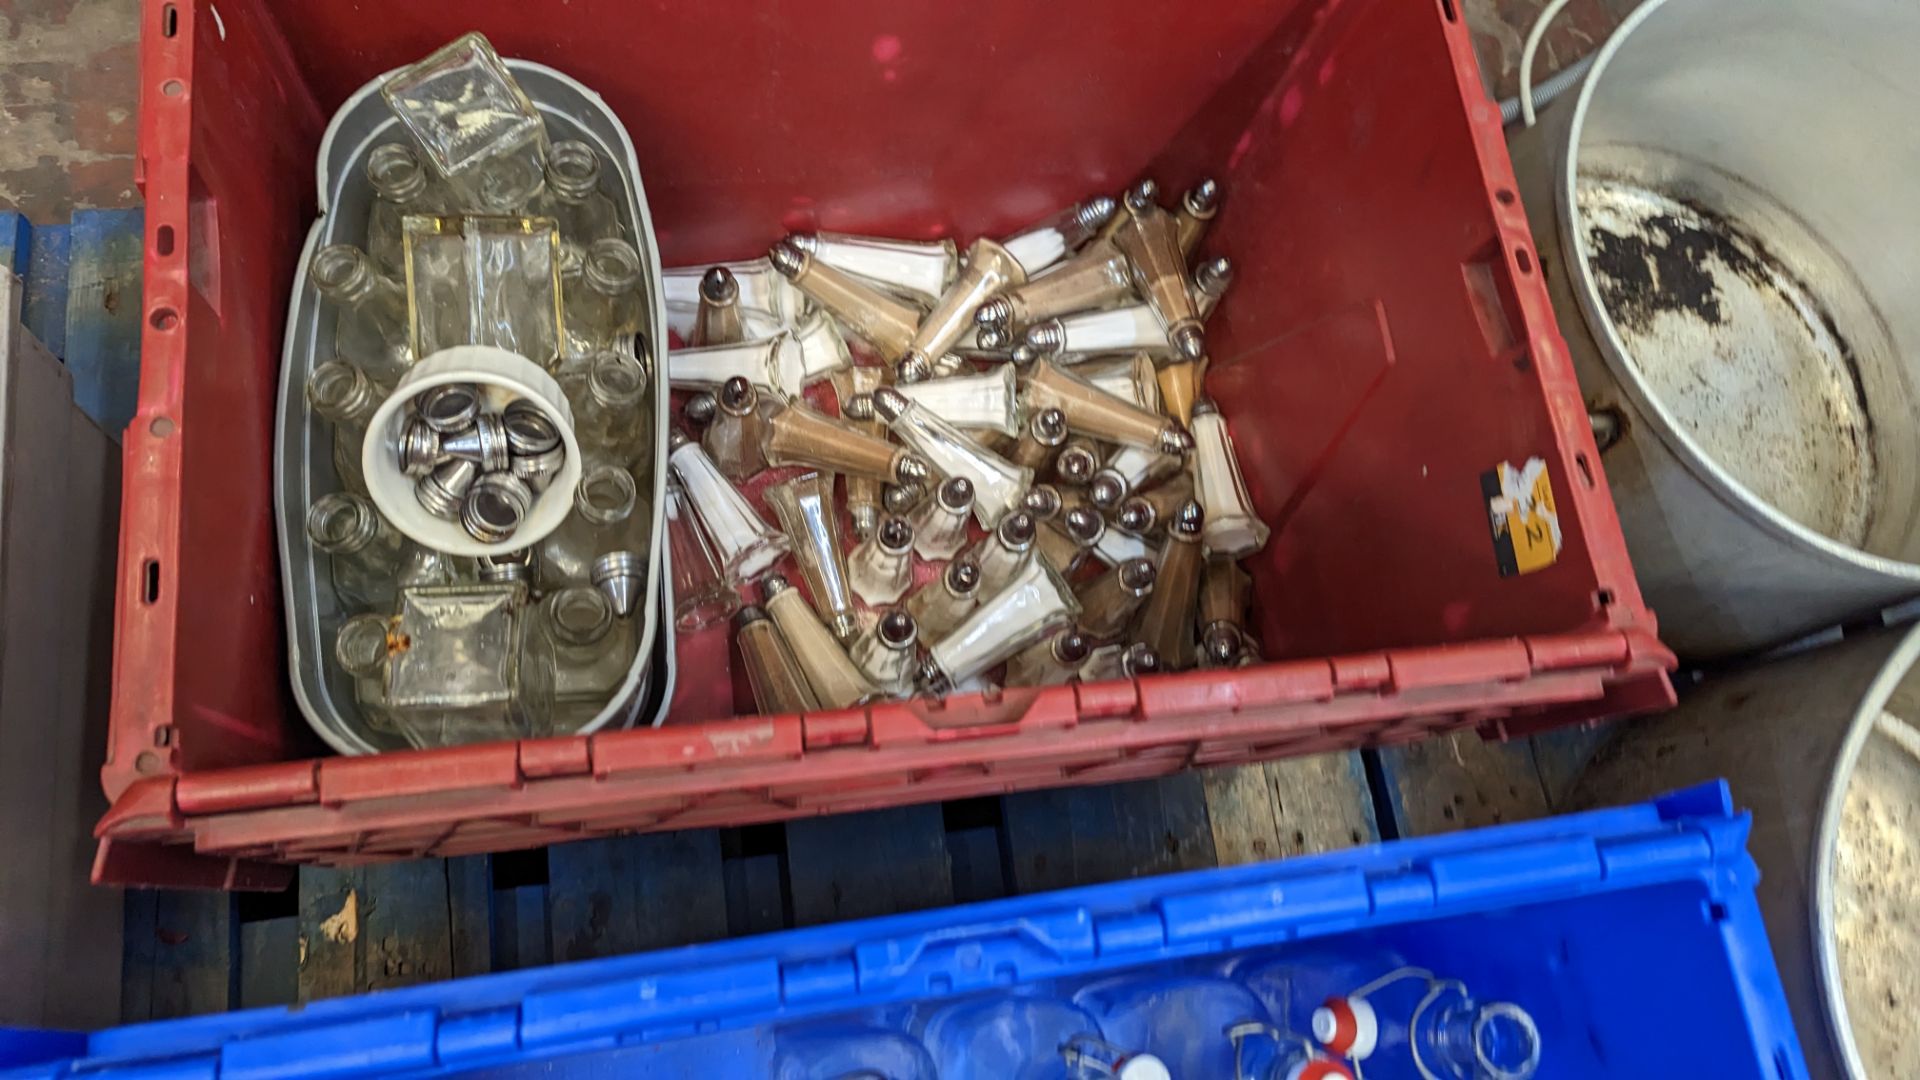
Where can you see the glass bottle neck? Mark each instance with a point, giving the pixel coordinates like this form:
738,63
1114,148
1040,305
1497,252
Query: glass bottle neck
580,616
342,524
616,382
612,267
573,171
342,393
345,275
396,174
606,495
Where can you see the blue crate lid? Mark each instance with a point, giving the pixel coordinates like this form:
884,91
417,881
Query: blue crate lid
1692,837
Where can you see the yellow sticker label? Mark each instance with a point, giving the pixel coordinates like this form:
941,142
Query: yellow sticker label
1521,516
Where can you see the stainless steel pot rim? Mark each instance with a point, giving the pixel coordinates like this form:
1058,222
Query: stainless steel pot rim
1614,351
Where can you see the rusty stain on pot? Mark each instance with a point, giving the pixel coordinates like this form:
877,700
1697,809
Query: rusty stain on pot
1740,348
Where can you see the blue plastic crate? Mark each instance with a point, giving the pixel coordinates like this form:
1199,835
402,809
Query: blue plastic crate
1631,935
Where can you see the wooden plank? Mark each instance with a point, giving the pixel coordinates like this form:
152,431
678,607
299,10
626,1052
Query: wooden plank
196,941
1461,781
521,936
269,962
1300,806
329,933
45,312
405,924
103,314
632,893
470,914
854,866
1087,835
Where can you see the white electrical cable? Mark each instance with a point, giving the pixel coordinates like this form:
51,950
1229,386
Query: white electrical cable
1534,37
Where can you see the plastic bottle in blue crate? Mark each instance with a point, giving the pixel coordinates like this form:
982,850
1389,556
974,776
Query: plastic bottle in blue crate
1264,1052
1395,1019
838,1051
1183,1020
1024,1037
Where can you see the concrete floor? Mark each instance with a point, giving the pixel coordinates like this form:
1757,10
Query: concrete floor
69,86
68,103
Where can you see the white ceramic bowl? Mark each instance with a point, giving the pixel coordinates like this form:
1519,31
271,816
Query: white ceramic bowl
502,377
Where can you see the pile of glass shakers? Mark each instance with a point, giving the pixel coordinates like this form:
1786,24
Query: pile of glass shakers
484,231
1031,487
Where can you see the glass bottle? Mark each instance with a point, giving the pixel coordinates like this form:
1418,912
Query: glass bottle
1150,240
845,1052
1233,527
997,483
1127,328
989,270
1110,600
1044,434
473,669
1180,383
1119,660
364,551
1146,512
1264,1052
592,651
813,350
507,187
851,385
701,597
372,311
342,395
1097,277
940,604
748,547
734,439
718,321
1002,552
604,311
836,681
1224,592
1165,621
886,654
401,186
602,520
1002,1037
708,367
1113,547
1097,414
1077,462
984,402
1410,1022
1051,662
940,523
1046,242
804,506
361,647
463,107
772,672
1196,211
1065,542
1130,469
883,322
1129,378
1033,604
918,271
573,199
611,418
797,435
1181,1019
881,566
1211,279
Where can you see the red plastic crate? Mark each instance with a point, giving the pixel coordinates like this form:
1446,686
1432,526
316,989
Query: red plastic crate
1388,341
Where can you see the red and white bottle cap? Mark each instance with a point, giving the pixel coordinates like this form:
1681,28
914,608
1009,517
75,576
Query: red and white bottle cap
1143,1067
1320,1069
1347,1026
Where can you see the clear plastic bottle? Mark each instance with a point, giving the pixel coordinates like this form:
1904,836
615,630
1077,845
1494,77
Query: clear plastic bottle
1013,1037
603,311
402,185
371,328
602,520
342,395
1263,1052
611,416
364,551
573,198
1410,1023
1181,1019
592,651
848,1052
